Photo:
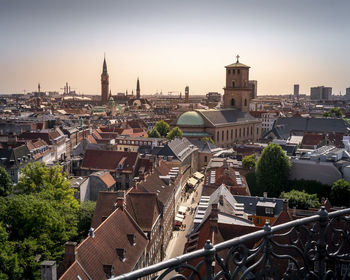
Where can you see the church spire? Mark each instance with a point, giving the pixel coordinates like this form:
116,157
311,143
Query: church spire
138,88
104,70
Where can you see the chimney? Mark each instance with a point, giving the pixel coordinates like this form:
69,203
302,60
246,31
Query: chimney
48,270
120,203
92,232
285,205
265,195
69,254
213,220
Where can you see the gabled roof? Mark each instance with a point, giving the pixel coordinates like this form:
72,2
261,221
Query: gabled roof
237,64
105,177
218,117
109,160
144,209
93,253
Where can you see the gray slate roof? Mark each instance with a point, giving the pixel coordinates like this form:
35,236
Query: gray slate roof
225,116
283,126
250,203
178,148
204,146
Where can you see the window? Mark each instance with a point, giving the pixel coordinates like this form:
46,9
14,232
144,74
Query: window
233,83
231,134
205,158
257,131
251,130
233,71
223,135
269,211
236,133
245,102
239,71
232,102
247,131
240,132
228,71
217,136
243,131
226,135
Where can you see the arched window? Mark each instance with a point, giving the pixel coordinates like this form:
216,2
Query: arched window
247,131
226,135
239,71
232,102
233,71
223,135
245,102
240,132
217,136
231,134
243,131
236,133
233,83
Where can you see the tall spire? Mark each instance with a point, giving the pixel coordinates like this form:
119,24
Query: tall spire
104,70
138,88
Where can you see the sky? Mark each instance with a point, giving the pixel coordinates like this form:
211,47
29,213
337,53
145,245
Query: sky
171,44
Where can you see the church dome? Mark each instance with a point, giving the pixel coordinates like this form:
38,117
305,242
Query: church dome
190,118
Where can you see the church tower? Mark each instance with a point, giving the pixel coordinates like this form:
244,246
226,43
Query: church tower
104,83
187,94
138,94
237,90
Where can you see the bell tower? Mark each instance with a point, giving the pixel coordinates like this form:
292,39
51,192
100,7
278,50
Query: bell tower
104,83
237,90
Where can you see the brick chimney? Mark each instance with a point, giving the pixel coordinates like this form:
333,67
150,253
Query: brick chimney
285,205
120,202
48,270
69,254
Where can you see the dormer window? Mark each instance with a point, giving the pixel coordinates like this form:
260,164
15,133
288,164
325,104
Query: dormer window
132,239
121,253
108,270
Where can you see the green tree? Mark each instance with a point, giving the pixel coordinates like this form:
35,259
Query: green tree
209,139
163,128
248,161
340,193
175,132
85,213
334,112
301,199
6,184
272,169
153,134
9,266
51,183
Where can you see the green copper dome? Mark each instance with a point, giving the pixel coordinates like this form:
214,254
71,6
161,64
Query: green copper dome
190,118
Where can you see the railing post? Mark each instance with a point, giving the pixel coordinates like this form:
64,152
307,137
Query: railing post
321,243
268,249
209,260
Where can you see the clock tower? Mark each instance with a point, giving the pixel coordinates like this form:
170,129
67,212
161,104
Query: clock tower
104,84
237,89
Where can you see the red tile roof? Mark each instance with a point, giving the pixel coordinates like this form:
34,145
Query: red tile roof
109,160
93,253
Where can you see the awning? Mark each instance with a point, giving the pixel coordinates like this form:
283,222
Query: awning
192,181
182,209
198,175
180,216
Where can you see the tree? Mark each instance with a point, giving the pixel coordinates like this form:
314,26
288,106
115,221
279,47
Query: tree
209,139
163,128
51,183
153,134
9,266
175,132
6,184
301,199
334,112
85,213
340,193
272,169
248,161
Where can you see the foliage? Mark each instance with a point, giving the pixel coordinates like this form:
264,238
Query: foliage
85,213
153,134
174,133
272,169
6,184
340,193
334,112
301,199
9,266
248,161
253,186
309,186
51,183
209,139
163,128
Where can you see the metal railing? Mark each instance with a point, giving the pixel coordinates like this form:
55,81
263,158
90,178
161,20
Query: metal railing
316,247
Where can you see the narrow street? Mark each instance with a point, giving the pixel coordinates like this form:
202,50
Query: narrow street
177,243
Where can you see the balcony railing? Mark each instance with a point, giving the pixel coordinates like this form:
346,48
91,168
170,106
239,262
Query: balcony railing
316,247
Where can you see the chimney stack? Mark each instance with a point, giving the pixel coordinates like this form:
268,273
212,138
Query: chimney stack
69,254
120,203
265,195
213,220
48,270
285,205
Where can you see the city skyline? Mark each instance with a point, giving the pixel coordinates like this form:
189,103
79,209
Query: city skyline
171,45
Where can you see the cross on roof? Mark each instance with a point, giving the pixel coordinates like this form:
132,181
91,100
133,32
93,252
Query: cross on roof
237,57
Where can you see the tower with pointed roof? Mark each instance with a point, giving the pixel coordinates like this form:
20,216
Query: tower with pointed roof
104,83
138,94
187,94
237,89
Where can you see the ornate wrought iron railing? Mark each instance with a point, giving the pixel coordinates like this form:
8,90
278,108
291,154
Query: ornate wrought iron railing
315,247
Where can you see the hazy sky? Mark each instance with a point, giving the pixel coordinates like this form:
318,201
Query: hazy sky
171,44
